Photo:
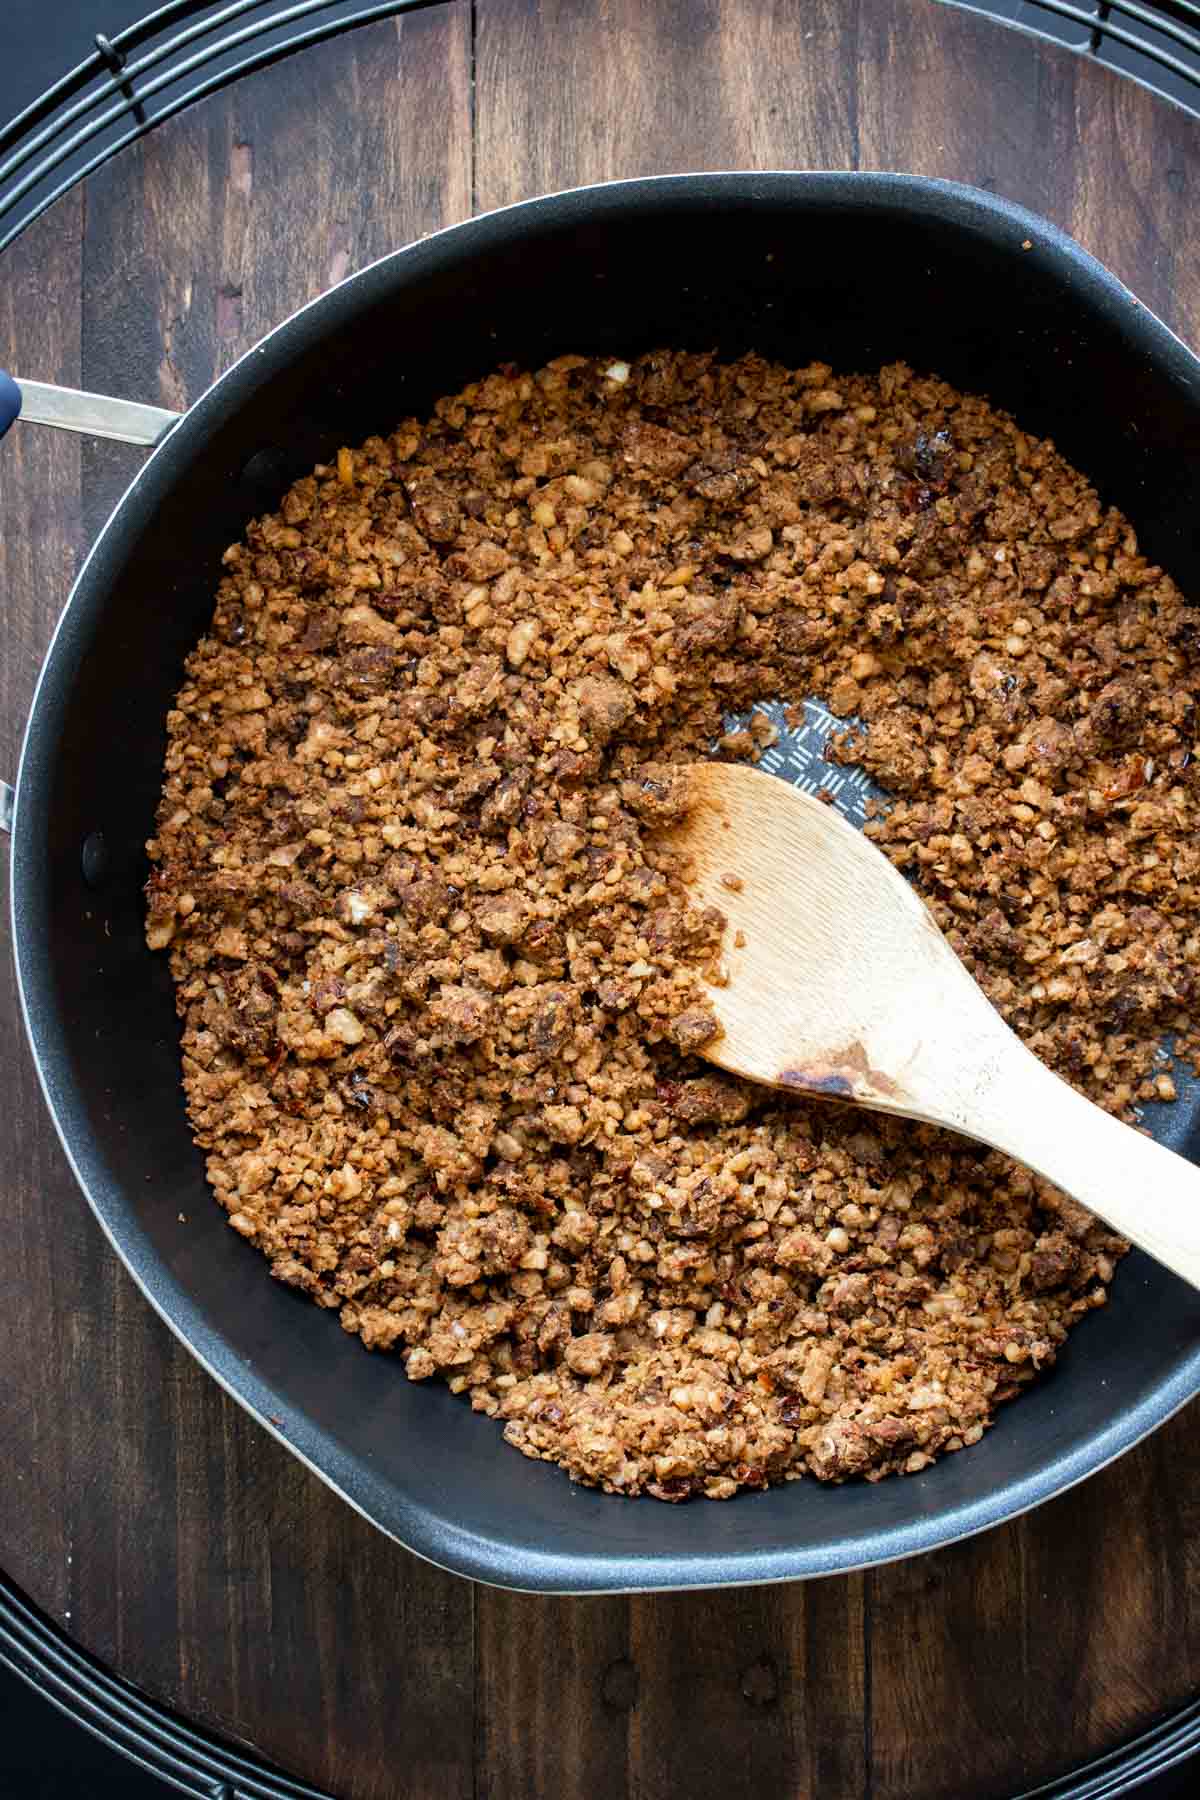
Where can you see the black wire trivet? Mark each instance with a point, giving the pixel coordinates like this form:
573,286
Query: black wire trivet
133,80
1157,43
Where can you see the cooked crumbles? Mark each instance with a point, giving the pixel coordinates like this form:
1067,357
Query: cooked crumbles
441,987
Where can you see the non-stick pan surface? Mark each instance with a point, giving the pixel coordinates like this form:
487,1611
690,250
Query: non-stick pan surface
855,269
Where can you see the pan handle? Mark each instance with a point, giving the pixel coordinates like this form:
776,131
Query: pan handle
37,403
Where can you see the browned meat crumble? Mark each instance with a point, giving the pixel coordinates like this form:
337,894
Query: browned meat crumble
438,978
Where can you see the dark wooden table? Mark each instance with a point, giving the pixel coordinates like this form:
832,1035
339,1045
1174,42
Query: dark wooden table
141,1508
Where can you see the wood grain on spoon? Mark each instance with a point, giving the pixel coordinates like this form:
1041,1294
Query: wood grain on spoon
840,984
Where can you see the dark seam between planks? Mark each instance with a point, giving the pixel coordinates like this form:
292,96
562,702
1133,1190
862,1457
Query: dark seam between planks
471,108
868,1619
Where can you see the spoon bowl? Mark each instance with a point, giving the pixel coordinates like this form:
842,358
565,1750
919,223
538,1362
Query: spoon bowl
837,982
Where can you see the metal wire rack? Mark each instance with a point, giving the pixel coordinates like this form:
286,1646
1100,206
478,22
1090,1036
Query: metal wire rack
179,1754
140,76
1157,43
131,81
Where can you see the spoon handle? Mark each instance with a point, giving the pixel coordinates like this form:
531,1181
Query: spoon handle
1147,1193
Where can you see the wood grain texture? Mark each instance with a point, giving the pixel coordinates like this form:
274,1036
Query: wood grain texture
721,1696
645,89
557,1687
41,543
1128,1646
759,1691
949,1691
169,1534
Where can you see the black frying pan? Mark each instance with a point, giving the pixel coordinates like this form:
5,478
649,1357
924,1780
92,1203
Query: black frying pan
855,269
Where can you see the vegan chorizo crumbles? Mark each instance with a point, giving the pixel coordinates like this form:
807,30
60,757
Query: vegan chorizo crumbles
442,991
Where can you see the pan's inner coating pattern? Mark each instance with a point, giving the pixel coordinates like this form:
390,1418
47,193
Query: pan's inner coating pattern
437,973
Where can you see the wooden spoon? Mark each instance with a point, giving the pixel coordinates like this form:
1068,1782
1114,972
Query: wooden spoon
840,984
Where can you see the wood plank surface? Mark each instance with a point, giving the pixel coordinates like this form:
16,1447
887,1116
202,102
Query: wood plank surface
41,546
143,1511
557,1687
